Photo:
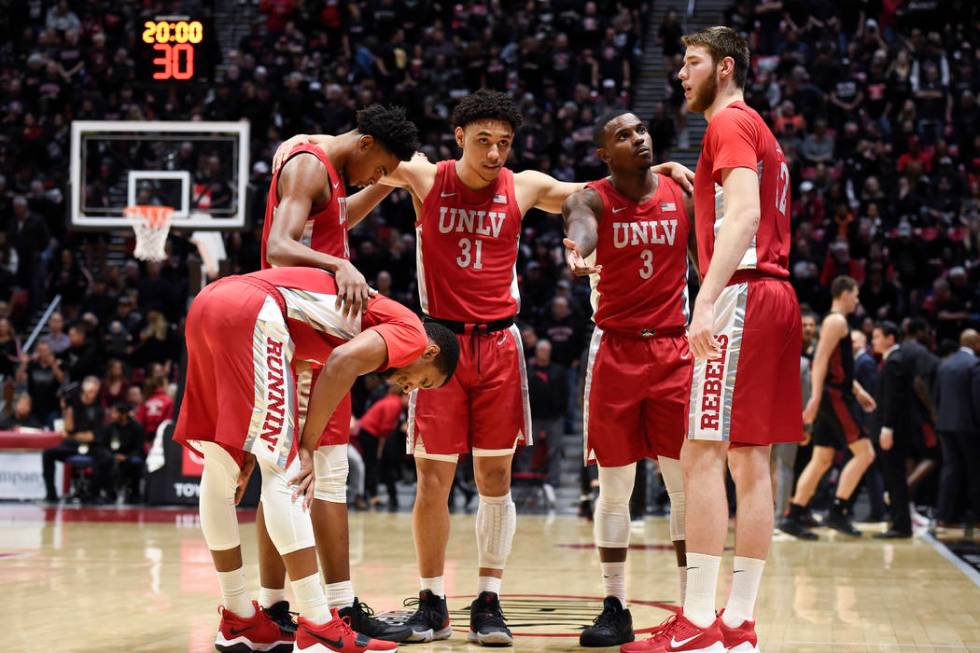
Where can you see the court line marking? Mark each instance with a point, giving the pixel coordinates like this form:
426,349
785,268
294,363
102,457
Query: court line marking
874,645
944,551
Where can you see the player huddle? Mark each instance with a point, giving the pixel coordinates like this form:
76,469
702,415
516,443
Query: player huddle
272,356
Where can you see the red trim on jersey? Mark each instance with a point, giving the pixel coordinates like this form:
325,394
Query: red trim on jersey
326,228
852,431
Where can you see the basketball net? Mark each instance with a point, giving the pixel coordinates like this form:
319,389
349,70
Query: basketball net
151,225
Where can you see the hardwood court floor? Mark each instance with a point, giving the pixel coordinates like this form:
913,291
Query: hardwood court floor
136,580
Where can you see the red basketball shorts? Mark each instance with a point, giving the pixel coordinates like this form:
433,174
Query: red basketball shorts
751,395
338,426
240,391
636,395
484,408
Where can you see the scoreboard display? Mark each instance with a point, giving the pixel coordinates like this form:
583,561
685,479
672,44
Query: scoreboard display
175,49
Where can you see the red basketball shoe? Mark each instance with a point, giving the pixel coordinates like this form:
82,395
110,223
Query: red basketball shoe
691,638
658,640
257,633
336,636
742,639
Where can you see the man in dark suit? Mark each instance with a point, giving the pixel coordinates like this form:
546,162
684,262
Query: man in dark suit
866,373
958,406
893,421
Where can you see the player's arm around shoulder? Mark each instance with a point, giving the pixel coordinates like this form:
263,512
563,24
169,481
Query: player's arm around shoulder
581,211
541,191
417,175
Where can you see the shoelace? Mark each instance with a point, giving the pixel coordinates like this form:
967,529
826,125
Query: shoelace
422,610
605,617
364,608
665,627
491,612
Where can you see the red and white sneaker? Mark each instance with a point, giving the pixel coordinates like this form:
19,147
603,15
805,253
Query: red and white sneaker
658,640
257,633
690,638
740,640
336,636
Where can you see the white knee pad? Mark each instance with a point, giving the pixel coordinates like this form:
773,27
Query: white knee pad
673,474
330,464
288,524
612,510
219,521
496,523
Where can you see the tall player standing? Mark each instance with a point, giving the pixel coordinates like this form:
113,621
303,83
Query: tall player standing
307,217
745,334
630,233
468,224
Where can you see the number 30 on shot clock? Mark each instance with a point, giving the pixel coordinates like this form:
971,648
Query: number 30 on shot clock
176,44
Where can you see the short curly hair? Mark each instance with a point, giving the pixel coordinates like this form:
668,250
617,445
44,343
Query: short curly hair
487,105
390,127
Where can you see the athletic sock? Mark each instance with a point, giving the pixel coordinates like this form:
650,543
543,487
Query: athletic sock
702,583
269,597
436,585
746,578
614,580
311,600
489,584
340,595
233,594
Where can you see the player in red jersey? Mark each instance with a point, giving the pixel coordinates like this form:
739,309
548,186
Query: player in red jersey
630,232
244,336
745,334
307,216
468,225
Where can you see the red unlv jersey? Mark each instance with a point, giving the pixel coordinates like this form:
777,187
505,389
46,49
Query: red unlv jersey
467,248
642,249
738,137
316,326
326,229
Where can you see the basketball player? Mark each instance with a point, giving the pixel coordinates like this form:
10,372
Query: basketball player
307,216
833,410
468,224
630,233
244,334
745,335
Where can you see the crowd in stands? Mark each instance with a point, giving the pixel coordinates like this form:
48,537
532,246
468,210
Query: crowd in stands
874,104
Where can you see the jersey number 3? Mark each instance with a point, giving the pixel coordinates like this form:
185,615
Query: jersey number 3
471,252
647,270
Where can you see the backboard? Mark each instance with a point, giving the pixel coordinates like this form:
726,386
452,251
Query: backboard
199,168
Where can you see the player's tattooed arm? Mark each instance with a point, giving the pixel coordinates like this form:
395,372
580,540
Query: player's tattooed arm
365,352
581,212
304,182
679,173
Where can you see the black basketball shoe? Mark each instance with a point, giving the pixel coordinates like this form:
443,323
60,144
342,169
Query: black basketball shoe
279,613
614,626
362,621
487,625
430,621
792,526
837,519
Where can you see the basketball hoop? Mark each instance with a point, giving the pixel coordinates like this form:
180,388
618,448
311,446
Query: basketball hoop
151,225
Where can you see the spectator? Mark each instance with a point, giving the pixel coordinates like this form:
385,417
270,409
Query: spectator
123,438
56,337
157,408
83,422
810,334
81,358
377,426
115,385
892,420
21,417
43,376
957,399
9,349
548,391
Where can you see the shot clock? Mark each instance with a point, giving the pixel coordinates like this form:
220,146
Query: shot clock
175,49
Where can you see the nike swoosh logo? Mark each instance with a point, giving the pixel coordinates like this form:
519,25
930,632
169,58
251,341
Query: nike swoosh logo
239,631
674,643
690,568
622,208
336,185
446,194
332,643
737,571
